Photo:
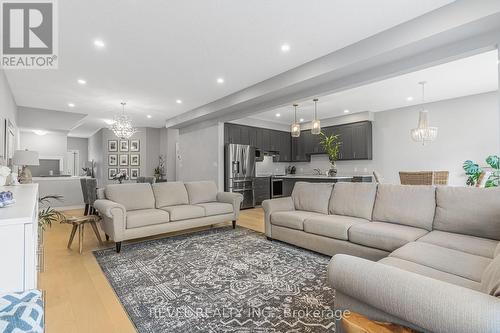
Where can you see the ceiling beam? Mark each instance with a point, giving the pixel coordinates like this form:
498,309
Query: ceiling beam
435,38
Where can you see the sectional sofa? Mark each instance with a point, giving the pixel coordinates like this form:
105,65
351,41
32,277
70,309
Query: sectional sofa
422,256
140,209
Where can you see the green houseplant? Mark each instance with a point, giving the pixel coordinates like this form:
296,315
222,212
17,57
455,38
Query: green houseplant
47,215
474,171
331,144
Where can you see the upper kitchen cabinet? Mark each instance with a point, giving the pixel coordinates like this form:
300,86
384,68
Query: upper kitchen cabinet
356,140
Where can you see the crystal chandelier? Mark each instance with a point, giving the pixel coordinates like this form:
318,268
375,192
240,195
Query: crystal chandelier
122,126
424,133
295,127
316,124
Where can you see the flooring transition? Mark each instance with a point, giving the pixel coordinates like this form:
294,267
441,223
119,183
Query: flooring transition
78,297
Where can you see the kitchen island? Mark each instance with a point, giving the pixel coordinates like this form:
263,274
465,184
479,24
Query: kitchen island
290,180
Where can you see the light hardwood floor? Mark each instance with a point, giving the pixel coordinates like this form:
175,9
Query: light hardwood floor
77,294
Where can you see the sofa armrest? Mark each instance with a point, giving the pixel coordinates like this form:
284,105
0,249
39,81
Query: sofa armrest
234,199
428,303
275,205
114,218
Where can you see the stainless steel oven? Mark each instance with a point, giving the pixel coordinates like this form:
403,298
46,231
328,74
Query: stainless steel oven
276,188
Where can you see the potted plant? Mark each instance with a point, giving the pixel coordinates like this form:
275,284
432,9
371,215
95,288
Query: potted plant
159,171
331,144
47,215
475,172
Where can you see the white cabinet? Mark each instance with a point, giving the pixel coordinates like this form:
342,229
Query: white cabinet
19,239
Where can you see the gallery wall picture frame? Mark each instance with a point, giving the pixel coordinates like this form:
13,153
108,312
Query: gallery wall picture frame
135,159
135,145
113,159
112,145
123,160
125,171
134,173
112,172
123,145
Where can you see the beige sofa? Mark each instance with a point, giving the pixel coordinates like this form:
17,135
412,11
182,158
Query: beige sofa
140,209
437,249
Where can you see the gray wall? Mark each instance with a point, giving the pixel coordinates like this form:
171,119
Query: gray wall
8,110
82,145
96,153
200,151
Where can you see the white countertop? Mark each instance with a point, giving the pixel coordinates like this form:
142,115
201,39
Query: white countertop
37,179
316,176
21,212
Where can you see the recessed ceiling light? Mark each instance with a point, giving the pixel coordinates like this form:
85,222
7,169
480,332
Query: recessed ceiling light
301,120
71,105
278,115
109,121
98,43
220,80
285,48
81,81
409,98
149,116
346,111
40,132
178,101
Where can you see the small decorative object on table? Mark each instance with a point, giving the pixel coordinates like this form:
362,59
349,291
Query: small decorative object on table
331,144
120,176
159,171
4,174
6,199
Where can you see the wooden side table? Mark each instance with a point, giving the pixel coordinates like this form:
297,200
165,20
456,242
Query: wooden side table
79,222
357,323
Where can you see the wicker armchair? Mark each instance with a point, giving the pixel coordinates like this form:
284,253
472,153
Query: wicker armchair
424,177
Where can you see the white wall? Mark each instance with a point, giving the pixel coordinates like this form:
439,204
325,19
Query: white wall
54,144
82,145
468,129
8,108
200,151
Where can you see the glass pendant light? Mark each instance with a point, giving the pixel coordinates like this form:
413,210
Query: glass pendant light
423,133
295,127
316,124
122,126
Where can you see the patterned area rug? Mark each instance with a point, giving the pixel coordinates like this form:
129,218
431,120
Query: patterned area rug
221,280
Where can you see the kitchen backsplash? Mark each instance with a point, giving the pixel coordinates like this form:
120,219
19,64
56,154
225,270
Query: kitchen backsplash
359,167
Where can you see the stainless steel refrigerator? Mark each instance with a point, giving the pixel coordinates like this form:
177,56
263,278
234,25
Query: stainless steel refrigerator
239,172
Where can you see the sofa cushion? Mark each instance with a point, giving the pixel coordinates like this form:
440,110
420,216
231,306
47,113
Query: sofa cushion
216,208
144,217
469,244
468,210
490,281
353,199
446,260
412,205
384,236
170,194
333,226
312,197
430,272
132,196
292,219
201,192
184,212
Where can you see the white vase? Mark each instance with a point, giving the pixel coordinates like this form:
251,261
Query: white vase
2,180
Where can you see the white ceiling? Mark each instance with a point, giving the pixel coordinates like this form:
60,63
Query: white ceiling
159,51
468,76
